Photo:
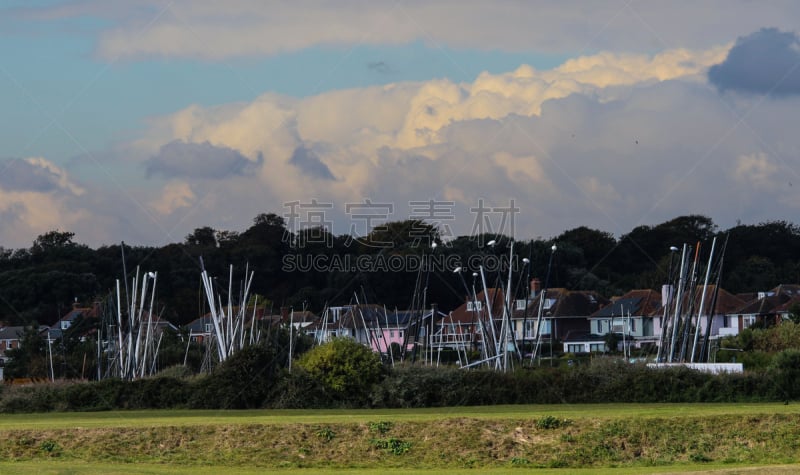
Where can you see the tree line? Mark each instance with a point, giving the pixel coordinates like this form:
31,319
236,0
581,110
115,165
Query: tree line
40,283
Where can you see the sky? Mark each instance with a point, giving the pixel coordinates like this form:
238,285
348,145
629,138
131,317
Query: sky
139,121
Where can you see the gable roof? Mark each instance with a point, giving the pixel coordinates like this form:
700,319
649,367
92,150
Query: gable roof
11,333
787,306
788,289
570,303
198,324
764,306
464,316
377,316
727,303
638,302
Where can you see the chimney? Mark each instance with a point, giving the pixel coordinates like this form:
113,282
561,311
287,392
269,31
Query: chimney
536,287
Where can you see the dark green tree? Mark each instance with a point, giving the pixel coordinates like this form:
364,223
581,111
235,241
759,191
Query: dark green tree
52,240
30,359
205,237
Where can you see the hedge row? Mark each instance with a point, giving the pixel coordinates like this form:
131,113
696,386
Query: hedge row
252,380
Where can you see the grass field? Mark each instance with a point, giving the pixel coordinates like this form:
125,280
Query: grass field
319,416
76,468
603,438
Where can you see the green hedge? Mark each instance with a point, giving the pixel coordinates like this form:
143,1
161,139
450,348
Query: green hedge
254,378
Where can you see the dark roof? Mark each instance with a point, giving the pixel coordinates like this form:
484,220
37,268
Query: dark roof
377,316
727,303
764,306
11,333
788,289
621,306
638,302
786,306
198,324
571,303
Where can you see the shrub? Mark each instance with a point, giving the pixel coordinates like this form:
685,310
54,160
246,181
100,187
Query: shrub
50,447
552,422
326,433
297,390
240,382
381,427
785,371
420,386
346,368
36,398
392,445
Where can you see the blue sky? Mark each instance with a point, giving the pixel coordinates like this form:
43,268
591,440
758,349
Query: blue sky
57,76
610,114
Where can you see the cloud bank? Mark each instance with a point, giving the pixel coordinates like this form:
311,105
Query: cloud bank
201,29
607,140
37,196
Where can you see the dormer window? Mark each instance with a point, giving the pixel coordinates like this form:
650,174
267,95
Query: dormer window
474,306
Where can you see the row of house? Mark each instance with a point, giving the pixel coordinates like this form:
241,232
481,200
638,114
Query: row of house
580,320
577,320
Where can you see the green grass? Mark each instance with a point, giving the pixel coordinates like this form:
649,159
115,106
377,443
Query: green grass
602,438
303,416
78,468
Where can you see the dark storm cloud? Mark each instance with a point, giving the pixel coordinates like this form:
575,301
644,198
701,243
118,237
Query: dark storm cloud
308,162
764,62
198,160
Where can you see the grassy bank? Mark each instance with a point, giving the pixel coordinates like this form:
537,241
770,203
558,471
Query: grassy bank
638,437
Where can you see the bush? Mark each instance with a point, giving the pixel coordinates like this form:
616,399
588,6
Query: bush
297,390
785,371
36,398
345,368
240,382
420,386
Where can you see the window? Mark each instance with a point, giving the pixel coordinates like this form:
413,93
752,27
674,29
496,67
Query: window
597,347
473,306
529,326
391,333
633,325
208,328
575,348
748,320
549,303
520,304
599,327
